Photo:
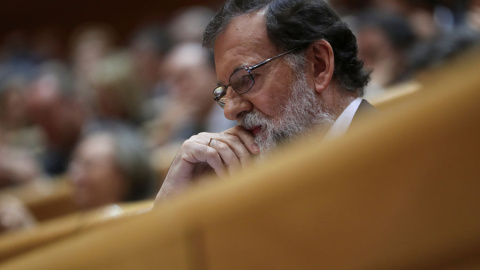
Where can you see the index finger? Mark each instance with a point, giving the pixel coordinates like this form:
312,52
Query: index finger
245,137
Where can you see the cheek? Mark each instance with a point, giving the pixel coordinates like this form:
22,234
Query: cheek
272,98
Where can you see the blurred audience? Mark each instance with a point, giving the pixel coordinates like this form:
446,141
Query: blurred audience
110,165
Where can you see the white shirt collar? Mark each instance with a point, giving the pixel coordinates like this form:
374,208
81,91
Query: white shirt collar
341,125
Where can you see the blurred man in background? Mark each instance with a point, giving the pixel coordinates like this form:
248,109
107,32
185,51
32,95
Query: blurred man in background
52,106
116,91
148,48
89,45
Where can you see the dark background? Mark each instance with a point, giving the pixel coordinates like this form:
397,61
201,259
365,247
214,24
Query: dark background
64,16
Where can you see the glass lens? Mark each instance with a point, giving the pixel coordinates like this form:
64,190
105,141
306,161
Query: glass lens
219,95
222,101
219,91
241,81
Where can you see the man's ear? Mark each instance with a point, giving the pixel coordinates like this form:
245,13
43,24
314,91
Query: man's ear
322,58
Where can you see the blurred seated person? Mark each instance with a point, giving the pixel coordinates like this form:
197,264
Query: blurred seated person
53,107
110,165
19,141
189,76
13,116
284,68
89,44
117,96
148,48
385,41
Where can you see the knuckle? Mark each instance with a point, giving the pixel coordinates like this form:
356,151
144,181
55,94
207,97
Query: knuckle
193,138
223,146
188,143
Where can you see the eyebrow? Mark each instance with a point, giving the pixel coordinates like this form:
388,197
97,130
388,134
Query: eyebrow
219,83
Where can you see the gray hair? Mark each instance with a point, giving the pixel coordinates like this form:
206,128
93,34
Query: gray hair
296,24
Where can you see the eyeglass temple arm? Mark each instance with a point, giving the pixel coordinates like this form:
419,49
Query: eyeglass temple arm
269,59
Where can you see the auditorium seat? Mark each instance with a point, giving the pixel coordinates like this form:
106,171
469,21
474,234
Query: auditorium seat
45,199
397,94
403,92
13,244
399,193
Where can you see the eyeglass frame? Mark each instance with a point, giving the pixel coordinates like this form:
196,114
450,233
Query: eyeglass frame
218,97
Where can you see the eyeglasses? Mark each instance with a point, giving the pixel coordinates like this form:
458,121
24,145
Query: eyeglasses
241,80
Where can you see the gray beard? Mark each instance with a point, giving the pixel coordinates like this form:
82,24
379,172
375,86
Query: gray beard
303,112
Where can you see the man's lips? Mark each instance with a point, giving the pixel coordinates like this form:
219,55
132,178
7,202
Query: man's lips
255,130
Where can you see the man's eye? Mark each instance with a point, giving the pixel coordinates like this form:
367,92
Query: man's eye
246,80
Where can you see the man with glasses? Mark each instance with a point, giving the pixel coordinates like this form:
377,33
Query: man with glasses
284,67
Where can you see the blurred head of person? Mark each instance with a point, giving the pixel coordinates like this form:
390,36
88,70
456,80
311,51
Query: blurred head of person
110,165
385,40
473,15
189,75
148,47
188,25
52,106
116,93
89,44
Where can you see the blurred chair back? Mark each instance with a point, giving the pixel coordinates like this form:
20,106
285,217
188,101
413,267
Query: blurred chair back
453,69
14,244
45,199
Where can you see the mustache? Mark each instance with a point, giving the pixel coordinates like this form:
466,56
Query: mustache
253,119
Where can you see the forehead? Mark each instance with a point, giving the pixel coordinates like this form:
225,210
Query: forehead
244,42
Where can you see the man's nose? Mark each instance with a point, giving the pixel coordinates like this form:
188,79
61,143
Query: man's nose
236,105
